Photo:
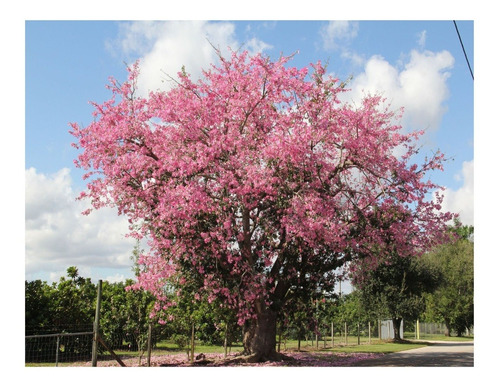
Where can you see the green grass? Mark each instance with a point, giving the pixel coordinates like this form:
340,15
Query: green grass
375,346
44,364
378,347
441,337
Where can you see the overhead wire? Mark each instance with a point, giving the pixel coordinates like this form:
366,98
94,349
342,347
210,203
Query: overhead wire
463,49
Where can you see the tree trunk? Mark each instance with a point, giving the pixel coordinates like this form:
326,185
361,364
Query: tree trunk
447,329
396,323
259,337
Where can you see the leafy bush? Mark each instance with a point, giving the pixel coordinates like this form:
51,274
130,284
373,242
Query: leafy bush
181,340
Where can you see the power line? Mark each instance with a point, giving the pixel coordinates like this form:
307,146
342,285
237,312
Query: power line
463,49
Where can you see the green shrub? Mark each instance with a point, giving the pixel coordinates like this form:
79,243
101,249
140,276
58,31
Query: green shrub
181,340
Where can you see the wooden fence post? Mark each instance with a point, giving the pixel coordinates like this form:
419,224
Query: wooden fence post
150,329
118,359
96,323
192,342
225,341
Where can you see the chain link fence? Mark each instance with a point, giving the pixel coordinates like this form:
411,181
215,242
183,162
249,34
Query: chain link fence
76,349
431,330
58,348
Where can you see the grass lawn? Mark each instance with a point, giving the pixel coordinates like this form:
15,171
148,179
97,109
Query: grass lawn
376,346
441,337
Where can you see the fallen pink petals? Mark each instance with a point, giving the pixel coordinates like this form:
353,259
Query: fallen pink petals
308,359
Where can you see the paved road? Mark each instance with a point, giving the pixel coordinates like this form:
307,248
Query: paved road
438,353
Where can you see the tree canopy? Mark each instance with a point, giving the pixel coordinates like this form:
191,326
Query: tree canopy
254,183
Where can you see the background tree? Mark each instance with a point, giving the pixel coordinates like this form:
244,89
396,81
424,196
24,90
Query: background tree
66,305
353,312
73,301
125,315
37,306
453,301
395,289
258,179
298,320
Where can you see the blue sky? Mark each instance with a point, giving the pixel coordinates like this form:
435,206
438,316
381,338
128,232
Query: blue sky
417,64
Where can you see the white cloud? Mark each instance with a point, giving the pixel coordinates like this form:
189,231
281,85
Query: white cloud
57,235
355,59
422,36
255,45
165,47
420,86
115,278
461,201
338,32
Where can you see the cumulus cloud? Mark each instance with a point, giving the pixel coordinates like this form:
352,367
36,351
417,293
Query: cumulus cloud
420,86
57,235
461,201
165,47
338,33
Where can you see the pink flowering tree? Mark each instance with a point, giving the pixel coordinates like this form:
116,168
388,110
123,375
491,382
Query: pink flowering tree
256,183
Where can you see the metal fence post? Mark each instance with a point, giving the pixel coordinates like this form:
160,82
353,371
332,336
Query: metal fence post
96,323
332,335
